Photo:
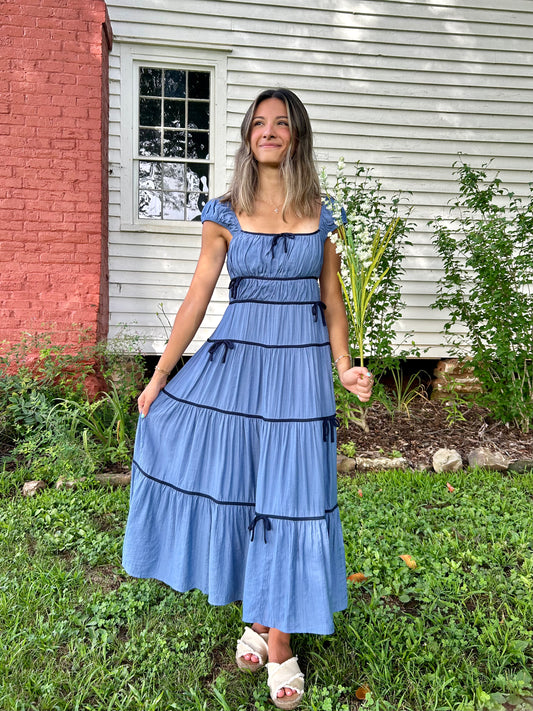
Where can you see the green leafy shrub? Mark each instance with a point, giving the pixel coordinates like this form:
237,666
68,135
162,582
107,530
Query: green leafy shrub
58,369
487,289
47,417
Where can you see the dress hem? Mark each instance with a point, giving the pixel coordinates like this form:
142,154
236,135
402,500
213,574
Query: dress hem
186,589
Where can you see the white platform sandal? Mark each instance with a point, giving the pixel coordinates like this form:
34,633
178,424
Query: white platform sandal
252,643
287,675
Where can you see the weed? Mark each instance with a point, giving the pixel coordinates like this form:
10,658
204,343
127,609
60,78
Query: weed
349,449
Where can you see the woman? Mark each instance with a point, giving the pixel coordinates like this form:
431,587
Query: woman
234,473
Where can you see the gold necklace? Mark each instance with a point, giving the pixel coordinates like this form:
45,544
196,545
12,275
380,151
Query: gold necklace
274,208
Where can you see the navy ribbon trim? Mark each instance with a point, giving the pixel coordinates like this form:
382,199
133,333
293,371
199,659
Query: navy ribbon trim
328,428
227,344
231,503
305,518
234,285
319,306
267,526
273,278
276,303
284,236
276,345
243,414
192,493
295,234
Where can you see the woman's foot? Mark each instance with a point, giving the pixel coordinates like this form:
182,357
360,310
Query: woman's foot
279,650
260,629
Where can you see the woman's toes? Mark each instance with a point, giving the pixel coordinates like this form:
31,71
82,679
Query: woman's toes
251,658
285,692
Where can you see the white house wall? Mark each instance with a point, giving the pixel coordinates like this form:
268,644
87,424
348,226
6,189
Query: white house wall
401,86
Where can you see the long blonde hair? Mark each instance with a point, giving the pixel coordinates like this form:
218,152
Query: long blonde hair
298,172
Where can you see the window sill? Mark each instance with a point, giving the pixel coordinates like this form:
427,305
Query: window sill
179,228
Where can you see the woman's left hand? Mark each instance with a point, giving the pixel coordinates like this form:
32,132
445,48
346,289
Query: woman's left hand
358,381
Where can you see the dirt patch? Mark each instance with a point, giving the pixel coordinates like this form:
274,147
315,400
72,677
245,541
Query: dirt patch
428,427
104,577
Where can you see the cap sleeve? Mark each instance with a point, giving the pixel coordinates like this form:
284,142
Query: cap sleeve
221,213
328,223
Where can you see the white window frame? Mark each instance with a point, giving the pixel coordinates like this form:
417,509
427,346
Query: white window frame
133,55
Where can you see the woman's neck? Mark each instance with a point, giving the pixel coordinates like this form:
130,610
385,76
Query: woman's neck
270,189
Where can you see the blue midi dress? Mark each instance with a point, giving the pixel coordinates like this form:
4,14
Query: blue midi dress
234,487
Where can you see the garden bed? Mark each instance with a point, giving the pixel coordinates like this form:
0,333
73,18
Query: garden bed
430,426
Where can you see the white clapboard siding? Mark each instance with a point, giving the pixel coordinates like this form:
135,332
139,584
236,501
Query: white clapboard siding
402,86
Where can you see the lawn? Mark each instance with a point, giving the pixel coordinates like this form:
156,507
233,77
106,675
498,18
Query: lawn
454,632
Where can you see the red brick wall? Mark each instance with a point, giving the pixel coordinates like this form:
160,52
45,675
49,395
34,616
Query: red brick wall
53,168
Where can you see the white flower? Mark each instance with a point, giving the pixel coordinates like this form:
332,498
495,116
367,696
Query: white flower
365,236
364,255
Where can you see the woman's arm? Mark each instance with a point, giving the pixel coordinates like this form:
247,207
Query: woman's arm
192,310
357,380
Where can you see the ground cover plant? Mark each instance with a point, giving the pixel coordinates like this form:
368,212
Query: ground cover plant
454,632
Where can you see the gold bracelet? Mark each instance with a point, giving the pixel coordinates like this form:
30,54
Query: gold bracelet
344,355
160,370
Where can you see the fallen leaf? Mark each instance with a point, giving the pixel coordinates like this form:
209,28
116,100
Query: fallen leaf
409,562
450,487
361,692
357,577
360,492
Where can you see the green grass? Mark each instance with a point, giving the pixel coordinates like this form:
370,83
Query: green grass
77,634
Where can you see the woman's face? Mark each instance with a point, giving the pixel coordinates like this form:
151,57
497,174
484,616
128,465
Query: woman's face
270,136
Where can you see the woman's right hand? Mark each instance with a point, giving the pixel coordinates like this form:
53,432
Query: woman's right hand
149,394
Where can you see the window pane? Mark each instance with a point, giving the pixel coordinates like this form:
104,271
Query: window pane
174,176
199,85
175,83
149,112
195,205
175,114
150,81
149,204
197,177
197,145
198,115
173,206
173,133
149,142
174,144
150,174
